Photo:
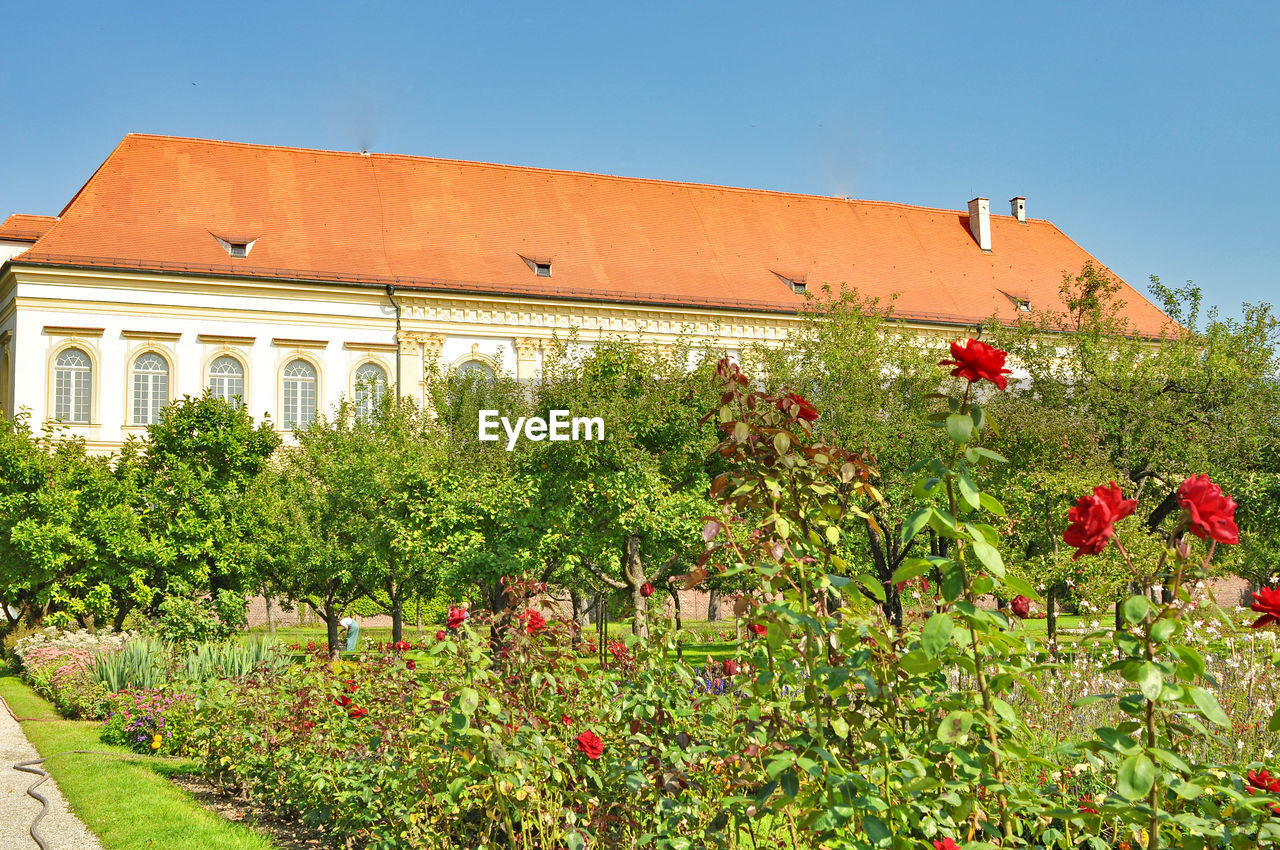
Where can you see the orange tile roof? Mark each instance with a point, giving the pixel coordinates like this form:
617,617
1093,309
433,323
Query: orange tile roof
20,227
158,202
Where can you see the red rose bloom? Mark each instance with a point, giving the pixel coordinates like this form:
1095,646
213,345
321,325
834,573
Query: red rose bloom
411,664
1263,781
1267,603
1094,517
440,635
977,361
352,687
1212,514
1021,606
356,713
343,700
533,622
945,844
646,590
731,668
401,645
566,719
757,629
457,616
590,745
803,409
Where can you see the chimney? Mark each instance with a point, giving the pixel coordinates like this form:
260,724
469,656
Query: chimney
980,222
1019,207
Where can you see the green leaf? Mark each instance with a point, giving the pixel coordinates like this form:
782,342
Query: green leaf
1163,629
991,504
1021,586
988,555
1150,680
955,726
1274,725
1208,705
782,442
936,634
1136,776
872,585
959,428
790,783
968,492
972,454
876,831
914,523
468,701
909,569
1135,609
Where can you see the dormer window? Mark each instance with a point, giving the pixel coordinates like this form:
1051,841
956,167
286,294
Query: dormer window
541,266
796,282
1021,302
236,247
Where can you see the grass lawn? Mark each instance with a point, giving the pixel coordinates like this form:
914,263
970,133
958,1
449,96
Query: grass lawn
128,803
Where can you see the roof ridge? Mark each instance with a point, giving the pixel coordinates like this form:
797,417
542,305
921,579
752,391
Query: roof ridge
687,184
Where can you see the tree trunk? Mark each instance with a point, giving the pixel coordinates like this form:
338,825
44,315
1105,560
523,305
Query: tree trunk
635,578
1051,615
675,597
331,619
397,619
713,606
419,619
581,603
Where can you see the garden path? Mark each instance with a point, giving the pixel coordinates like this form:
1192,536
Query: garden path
60,828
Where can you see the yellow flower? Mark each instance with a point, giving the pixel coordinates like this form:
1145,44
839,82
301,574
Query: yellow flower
157,741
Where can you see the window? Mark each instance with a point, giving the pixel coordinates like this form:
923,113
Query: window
542,269
238,249
226,379
150,387
71,376
371,386
474,369
299,394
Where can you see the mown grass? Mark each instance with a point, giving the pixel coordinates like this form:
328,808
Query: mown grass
129,803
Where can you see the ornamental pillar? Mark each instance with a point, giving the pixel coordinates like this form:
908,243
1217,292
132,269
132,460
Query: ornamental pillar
527,362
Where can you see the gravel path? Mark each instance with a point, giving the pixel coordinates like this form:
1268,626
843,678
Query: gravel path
60,829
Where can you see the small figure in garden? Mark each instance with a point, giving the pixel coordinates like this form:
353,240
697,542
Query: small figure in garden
353,632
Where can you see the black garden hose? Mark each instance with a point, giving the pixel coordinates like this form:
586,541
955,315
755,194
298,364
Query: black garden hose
34,767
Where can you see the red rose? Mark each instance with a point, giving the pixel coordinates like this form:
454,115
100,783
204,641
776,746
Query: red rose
440,635
945,844
411,664
1263,781
357,713
1267,603
343,700
533,622
566,719
977,361
1211,513
731,668
1094,517
590,745
796,407
1021,606
401,645
457,616
646,590
352,687
758,629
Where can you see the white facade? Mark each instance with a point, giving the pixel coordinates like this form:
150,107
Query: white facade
267,326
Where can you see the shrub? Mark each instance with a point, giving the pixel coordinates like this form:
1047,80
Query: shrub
150,721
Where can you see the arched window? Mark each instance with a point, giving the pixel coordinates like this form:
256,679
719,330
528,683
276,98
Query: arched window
475,370
371,386
299,394
72,373
150,387
226,379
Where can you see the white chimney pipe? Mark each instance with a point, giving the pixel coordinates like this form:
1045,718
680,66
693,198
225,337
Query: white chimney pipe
980,222
1019,207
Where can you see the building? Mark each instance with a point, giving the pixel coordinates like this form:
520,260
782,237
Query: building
281,275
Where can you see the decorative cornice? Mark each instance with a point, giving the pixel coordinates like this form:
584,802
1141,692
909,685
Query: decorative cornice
63,330
431,345
527,347
370,346
221,339
167,336
286,342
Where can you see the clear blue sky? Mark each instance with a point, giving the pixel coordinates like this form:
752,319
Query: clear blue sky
1149,132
